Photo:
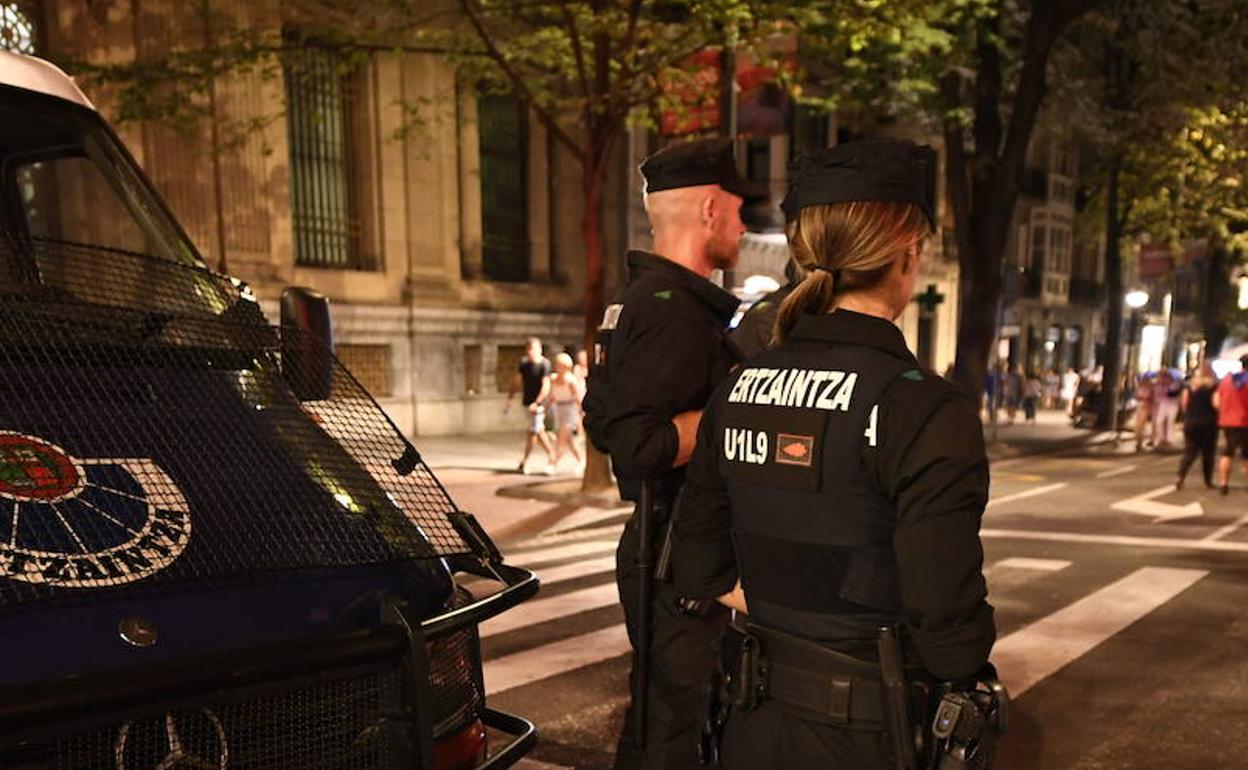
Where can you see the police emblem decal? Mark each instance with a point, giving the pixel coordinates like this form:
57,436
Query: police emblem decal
795,450
85,523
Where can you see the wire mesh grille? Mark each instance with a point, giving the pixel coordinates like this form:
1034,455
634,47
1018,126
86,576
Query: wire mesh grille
455,675
346,723
148,432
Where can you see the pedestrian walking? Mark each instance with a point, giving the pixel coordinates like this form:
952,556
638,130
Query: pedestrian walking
1033,389
1012,391
566,393
531,380
581,367
1052,388
664,350
1200,425
825,498
1070,389
1166,392
1231,401
1143,393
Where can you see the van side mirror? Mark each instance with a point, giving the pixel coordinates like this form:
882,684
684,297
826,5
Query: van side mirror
307,343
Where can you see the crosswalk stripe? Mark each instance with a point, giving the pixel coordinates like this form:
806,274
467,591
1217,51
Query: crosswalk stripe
1164,543
1023,562
1109,474
1025,494
1041,649
542,610
577,569
586,516
565,551
549,660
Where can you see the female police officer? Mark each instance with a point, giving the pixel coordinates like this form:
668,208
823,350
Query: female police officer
837,487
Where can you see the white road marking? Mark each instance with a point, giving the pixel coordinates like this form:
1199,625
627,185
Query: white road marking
1115,472
1043,648
577,569
1228,529
585,516
1044,490
1145,505
1128,540
549,660
555,607
533,764
1023,562
566,551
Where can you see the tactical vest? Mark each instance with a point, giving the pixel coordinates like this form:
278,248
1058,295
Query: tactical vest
813,537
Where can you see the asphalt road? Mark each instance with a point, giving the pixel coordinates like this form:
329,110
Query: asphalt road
1121,606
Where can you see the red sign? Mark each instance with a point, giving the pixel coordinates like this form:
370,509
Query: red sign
1156,261
693,94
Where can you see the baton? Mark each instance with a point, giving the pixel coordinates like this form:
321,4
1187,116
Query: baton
896,699
645,578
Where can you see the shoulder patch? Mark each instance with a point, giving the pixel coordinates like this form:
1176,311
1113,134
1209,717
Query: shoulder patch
665,294
610,317
914,375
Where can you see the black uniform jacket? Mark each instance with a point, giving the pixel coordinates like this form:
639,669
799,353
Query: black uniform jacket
753,333
667,353
928,461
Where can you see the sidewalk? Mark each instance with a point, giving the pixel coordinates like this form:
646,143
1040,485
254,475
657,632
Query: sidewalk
1051,432
498,454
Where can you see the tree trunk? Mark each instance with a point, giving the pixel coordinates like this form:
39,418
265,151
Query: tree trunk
1217,288
597,470
1110,390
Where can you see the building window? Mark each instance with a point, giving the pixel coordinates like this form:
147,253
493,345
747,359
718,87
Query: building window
370,364
472,369
320,99
508,364
17,27
501,120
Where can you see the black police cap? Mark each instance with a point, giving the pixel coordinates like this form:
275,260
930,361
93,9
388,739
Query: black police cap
702,162
877,170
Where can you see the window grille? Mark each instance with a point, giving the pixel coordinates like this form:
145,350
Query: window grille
508,364
320,97
504,187
370,364
17,27
472,369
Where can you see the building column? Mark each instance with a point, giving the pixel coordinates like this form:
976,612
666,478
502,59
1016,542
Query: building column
538,180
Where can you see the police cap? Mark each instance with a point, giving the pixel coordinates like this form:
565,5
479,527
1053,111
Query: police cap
702,162
879,170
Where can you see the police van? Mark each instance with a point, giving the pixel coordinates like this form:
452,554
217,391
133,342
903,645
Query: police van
216,550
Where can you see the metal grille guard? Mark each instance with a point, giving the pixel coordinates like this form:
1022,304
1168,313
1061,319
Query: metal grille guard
34,713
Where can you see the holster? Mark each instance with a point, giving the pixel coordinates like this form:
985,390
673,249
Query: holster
719,697
967,724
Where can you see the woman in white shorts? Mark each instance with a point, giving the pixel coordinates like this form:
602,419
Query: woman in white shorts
566,392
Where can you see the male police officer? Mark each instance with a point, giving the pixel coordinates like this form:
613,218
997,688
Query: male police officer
837,488
665,350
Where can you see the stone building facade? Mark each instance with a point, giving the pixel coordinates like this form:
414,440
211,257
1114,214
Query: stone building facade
443,223
366,183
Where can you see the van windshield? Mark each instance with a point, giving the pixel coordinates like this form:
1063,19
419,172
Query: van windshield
78,219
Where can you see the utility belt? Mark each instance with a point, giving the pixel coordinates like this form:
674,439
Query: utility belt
807,678
929,724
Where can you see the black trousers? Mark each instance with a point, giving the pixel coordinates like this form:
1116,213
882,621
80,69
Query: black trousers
1202,440
771,738
681,663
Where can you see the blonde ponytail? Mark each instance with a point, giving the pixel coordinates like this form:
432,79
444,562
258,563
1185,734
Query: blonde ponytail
845,247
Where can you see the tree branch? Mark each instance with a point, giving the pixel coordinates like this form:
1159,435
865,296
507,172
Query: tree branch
578,52
521,88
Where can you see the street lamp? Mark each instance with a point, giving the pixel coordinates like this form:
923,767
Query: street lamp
1135,300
